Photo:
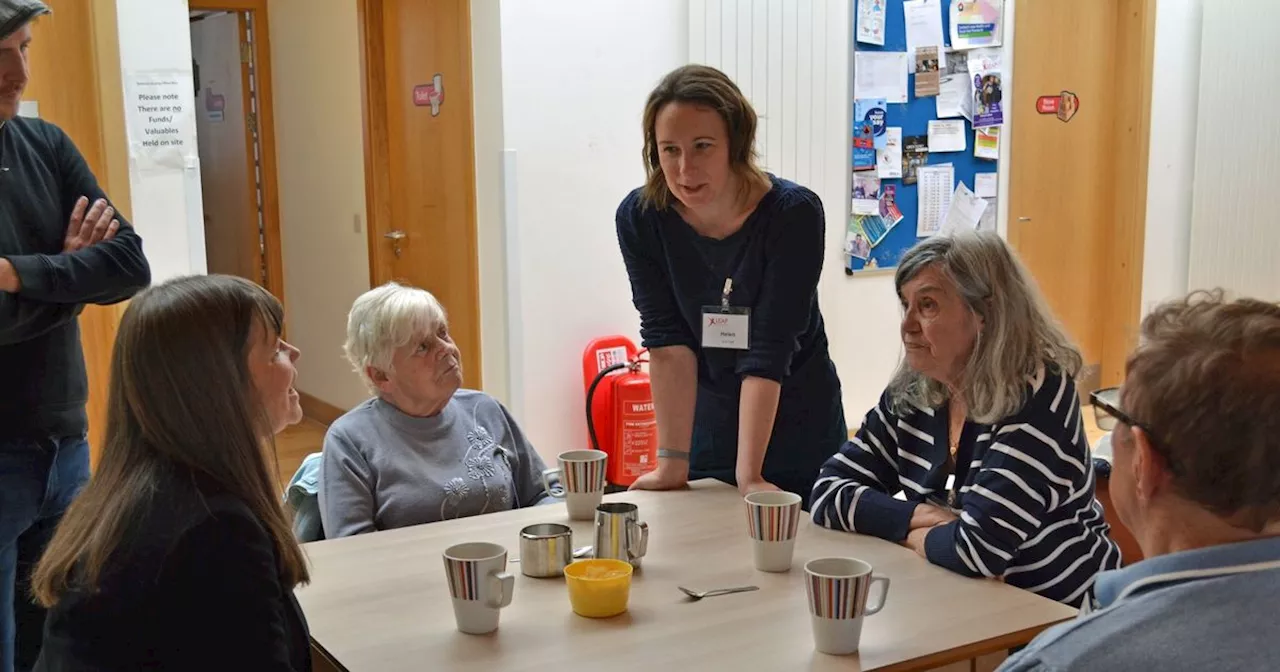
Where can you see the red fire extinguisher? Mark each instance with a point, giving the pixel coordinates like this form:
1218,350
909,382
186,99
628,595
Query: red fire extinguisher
620,417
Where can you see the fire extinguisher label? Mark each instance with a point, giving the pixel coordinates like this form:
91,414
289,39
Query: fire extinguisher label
607,357
639,437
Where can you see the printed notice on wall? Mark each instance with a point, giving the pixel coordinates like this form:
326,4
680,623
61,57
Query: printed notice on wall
160,118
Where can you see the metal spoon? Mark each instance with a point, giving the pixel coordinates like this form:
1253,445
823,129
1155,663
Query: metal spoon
580,552
698,595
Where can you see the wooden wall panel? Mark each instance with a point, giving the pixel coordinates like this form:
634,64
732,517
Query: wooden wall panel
75,93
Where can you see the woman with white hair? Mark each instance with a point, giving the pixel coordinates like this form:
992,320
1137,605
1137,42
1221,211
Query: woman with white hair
979,430
421,450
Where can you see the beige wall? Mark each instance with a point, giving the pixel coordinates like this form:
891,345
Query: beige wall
315,61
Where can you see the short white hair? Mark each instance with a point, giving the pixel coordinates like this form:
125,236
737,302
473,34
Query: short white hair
386,318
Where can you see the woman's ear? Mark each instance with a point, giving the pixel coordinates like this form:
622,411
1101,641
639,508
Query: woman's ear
378,376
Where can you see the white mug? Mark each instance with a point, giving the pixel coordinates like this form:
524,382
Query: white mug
837,589
479,585
581,483
773,518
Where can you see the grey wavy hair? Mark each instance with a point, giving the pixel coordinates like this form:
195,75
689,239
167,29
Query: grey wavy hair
1019,333
384,319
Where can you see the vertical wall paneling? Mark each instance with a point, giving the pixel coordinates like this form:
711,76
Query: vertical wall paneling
773,111
742,47
758,44
698,26
792,58
804,90
790,104
729,32
714,32
1234,236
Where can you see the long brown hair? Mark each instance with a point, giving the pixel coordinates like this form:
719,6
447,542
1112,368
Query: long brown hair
708,87
182,408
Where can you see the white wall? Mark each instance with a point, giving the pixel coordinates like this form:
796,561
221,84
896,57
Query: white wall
1234,236
167,209
1175,95
486,79
315,60
575,77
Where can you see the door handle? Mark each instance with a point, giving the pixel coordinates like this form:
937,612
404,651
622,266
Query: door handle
1024,219
395,236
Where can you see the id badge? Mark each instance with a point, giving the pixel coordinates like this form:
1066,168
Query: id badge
728,328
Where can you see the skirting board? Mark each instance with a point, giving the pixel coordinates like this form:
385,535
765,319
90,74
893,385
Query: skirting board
320,411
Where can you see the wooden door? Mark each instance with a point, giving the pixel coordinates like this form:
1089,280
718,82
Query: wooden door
65,85
232,237
237,146
420,157
1078,187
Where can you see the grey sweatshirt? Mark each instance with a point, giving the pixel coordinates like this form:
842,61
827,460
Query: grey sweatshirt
383,469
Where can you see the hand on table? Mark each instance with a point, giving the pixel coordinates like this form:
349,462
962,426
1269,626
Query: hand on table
923,519
90,225
928,516
747,486
915,540
665,477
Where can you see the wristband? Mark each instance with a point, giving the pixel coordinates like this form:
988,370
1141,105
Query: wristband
673,454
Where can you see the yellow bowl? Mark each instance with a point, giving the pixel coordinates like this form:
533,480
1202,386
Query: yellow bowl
598,588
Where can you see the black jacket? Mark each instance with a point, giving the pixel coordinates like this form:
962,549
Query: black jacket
42,385
196,589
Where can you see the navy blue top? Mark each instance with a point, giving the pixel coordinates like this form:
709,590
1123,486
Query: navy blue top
775,260
43,386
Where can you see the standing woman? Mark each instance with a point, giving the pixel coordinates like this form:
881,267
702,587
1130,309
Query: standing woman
177,555
724,261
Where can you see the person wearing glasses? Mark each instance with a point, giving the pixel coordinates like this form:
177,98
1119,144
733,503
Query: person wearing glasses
979,430
1196,477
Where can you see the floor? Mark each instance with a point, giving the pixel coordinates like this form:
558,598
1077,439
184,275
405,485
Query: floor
294,444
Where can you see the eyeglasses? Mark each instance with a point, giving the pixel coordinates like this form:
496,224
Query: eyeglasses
1107,413
1106,409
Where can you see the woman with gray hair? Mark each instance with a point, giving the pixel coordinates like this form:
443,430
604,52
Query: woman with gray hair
421,450
979,430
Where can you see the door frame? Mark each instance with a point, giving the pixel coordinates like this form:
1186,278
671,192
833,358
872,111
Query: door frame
377,136
370,20
273,257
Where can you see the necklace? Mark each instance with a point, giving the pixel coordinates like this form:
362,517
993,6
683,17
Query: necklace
955,430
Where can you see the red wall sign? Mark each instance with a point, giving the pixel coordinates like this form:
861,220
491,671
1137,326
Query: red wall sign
430,94
1065,105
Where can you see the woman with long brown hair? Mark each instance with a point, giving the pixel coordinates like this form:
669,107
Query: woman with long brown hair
178,554
724,261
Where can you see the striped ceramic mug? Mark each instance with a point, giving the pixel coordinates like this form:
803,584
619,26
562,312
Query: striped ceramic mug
581,483
837,589
479,585
772,520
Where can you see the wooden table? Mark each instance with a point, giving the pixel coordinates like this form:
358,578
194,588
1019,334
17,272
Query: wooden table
379,602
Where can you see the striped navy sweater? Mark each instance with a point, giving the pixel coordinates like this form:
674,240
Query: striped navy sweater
1025,502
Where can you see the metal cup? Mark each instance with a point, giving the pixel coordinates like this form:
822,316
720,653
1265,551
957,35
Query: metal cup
545,550
620,534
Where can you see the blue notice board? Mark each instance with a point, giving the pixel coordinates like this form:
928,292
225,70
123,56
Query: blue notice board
913,117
